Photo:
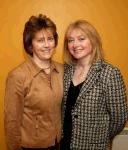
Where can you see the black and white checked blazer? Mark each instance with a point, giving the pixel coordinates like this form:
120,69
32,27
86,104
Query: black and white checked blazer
100,111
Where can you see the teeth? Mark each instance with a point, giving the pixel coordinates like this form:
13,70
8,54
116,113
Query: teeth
78,50
45,50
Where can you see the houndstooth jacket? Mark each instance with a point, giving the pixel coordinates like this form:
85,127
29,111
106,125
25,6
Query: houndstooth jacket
100,111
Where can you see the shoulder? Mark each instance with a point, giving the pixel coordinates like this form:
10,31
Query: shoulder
111,72
19,72
59,67
68,67
111,69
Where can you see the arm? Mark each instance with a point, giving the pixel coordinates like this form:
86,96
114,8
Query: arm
13,111
116,103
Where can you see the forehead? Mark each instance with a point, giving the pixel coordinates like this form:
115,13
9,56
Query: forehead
43,33
75,32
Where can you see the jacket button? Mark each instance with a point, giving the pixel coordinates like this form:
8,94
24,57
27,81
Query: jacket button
76,116
37,126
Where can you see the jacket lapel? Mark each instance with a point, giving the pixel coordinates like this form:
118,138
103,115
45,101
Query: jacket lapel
68,73
91,80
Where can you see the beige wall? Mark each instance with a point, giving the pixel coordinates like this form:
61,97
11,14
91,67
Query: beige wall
110,17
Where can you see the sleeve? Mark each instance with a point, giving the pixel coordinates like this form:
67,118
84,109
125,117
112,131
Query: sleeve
116,103
13,108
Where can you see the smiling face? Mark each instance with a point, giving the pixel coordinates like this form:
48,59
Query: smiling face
79,44
43,45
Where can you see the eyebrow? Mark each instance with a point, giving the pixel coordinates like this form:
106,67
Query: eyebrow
77,36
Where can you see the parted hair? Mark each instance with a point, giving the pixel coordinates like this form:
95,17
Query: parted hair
91,33
35,24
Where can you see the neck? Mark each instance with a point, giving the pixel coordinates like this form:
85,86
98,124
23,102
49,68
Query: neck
83,63
43,64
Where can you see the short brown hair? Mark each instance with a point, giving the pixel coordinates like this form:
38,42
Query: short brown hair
35,24
93,36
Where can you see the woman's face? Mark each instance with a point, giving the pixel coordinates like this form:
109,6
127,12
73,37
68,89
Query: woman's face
79,45
43,44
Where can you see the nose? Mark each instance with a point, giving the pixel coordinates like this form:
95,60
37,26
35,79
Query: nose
46,43
75,43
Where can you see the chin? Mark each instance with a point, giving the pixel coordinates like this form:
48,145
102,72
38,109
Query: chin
46,58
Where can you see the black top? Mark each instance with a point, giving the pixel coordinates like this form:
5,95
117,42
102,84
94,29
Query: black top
73,93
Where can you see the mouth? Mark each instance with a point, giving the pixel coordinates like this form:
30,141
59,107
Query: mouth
46,51
78,50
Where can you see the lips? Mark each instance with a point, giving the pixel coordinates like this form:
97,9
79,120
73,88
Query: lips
46,51
78,50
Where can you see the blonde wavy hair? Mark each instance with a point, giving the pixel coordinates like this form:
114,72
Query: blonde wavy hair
91,33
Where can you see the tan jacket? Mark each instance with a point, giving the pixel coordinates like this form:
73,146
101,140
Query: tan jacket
33,106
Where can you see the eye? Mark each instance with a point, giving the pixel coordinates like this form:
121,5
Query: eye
70,40
40,40
82,39
51,38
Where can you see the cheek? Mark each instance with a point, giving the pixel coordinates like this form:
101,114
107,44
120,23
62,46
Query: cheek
53,45
34,45
37,46
71,51
70,47
88,46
